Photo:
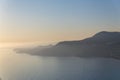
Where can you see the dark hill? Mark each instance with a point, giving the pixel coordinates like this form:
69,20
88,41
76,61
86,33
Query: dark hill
102,44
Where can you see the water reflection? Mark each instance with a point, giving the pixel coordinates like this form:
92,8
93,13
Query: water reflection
25,67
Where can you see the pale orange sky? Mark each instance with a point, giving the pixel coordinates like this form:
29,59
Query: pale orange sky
52,21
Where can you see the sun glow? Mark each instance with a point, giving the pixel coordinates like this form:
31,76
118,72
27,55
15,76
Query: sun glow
8,45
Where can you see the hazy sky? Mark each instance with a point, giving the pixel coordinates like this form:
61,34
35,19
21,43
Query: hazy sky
47,21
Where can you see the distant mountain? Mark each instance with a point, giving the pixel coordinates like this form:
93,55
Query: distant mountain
102,44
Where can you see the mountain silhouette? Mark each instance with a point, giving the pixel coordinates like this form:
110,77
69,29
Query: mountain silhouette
103,44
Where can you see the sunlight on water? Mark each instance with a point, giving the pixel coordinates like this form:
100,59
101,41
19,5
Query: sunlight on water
12,63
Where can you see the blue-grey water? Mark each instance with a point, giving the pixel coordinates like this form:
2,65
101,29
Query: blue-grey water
25,67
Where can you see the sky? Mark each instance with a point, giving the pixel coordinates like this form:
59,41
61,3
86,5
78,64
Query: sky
50,21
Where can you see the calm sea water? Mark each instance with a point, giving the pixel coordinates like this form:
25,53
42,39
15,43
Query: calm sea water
25,67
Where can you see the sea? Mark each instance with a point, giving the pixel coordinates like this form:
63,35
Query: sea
16,66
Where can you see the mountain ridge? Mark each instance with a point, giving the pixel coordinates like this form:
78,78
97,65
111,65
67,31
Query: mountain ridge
102,44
